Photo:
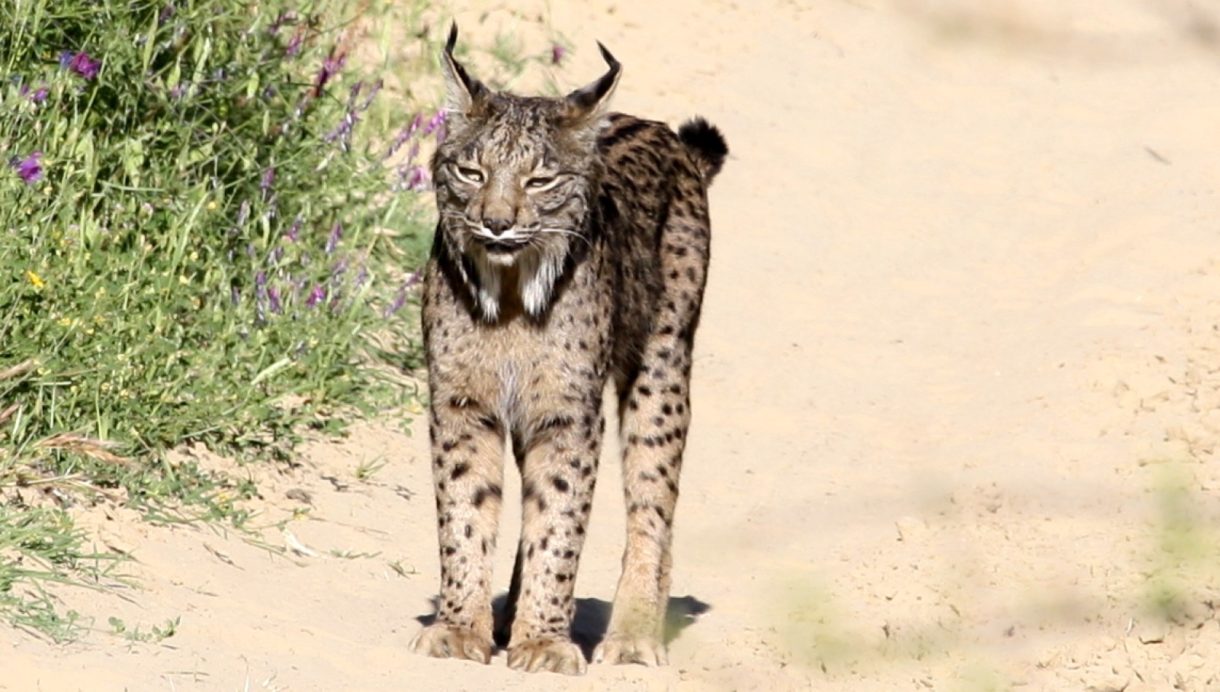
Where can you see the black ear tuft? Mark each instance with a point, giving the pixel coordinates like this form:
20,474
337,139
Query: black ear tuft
610,59
466,94
592,98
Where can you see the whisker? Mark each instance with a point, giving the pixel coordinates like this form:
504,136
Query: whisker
565,232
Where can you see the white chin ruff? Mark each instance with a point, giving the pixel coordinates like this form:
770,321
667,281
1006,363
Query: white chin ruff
502,259
536,277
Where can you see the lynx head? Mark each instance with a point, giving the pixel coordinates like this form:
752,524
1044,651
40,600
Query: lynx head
516,178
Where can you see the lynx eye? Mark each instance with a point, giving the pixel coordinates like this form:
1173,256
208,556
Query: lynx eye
541,182
470,175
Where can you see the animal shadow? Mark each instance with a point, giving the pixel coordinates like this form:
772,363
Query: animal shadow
593,618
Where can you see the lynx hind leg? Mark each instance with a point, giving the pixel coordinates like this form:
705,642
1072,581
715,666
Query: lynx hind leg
467,474
655,414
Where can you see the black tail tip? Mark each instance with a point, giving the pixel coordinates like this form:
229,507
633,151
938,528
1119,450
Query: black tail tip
706,143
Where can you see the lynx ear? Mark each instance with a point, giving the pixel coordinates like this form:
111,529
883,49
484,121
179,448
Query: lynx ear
465,94
591,100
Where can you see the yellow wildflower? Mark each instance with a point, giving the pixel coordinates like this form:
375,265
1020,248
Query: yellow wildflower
34,279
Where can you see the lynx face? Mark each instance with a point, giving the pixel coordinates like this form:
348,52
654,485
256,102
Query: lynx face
515,180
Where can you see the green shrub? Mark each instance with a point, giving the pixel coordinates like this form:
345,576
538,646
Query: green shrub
199,236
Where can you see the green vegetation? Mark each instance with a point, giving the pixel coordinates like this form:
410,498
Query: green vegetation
1183,568
209,231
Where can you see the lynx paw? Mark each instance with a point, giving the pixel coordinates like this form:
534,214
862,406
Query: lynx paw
552,655
628,649
449,641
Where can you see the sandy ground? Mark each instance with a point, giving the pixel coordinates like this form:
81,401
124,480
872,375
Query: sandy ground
956,392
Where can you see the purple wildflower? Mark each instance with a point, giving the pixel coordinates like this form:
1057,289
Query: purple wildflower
294,231
437,125
273,300
368,100
294,44
83,65
28,169
412,178
332,241
317,295
260,279
65,57
404,134
400,299
435,122
557,54
166,14
418,179
267,180
343,131
330,67
37,96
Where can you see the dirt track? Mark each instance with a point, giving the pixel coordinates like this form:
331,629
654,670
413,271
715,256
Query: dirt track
955,394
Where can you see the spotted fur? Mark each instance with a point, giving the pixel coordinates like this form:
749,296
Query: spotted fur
571,250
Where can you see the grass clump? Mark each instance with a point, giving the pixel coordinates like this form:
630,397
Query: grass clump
200,235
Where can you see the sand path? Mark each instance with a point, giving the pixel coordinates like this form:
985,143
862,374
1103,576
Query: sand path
957,352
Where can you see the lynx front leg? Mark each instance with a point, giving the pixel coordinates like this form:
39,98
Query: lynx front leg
558,475
467,472
655,413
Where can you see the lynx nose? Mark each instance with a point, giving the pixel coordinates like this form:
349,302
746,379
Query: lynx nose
497,225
